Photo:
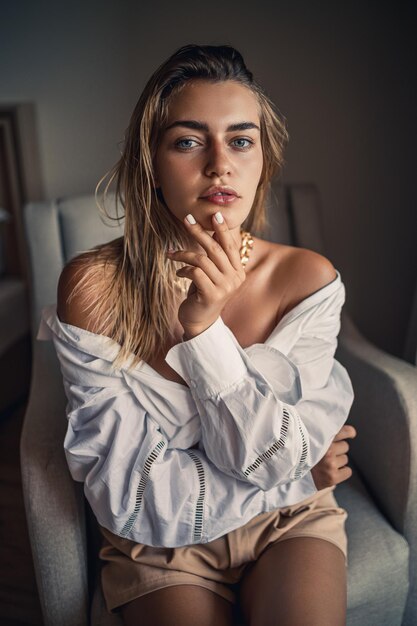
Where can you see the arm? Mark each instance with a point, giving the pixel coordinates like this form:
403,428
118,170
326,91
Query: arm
138,486
268,418
250,428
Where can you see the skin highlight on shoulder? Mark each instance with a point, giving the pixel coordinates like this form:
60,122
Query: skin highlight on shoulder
306,272
81,285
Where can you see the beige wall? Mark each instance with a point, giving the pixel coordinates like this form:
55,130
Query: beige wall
342,77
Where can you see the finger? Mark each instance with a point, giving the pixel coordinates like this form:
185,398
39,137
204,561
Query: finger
213,248
338,447
200,279
344,474
346,432
223,235
198,260
342,460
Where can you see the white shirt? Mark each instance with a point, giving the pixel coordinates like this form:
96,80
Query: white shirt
262,416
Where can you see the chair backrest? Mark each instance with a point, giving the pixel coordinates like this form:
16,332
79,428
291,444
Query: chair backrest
57,231
294,216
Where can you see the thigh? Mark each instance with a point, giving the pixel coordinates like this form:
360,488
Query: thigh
300,581
179,605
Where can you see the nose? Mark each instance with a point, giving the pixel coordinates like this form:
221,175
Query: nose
218,164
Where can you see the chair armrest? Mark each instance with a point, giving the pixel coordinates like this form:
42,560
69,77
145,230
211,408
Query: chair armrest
54,503
384,412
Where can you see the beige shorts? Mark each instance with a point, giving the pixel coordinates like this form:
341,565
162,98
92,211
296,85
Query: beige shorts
130,570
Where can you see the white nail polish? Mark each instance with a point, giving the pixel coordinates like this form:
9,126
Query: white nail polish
190,218
219,217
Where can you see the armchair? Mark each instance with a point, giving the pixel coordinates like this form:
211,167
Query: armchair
380,497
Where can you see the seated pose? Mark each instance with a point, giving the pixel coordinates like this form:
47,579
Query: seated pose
206,411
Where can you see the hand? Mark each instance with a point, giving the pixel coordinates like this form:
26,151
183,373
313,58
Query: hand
332,469
215,276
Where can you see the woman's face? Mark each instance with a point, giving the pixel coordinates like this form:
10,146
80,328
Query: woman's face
212,138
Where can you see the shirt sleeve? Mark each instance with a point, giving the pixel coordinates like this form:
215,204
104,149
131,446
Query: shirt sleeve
142,489
143,482
268,418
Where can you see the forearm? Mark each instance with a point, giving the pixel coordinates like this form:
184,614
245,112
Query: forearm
258,423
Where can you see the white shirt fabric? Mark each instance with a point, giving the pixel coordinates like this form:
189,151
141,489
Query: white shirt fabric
262,416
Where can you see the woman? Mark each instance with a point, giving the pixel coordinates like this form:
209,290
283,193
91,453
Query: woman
206,410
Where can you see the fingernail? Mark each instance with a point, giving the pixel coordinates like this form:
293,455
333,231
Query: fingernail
219,217
190,219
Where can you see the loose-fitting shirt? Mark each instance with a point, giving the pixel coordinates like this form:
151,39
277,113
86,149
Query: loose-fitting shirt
261,417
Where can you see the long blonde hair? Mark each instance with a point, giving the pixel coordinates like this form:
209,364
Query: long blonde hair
137,303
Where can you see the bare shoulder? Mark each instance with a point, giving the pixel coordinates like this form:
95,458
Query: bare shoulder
81,286
305,273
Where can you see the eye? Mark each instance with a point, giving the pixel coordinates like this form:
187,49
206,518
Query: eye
181,144
248,145
242,143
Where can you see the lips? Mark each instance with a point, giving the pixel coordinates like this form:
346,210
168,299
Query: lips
221,198
219,191
219,195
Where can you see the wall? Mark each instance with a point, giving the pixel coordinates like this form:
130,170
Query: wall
341,74
71,59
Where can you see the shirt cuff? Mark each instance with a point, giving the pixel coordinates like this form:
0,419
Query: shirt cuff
211,361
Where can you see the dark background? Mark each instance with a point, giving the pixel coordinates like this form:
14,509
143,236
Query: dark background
343,74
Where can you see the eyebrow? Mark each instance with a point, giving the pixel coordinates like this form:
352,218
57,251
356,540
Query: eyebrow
195,125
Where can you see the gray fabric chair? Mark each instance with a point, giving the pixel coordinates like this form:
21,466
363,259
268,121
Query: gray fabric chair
380,497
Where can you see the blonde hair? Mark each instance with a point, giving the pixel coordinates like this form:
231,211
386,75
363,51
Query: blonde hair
137,301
